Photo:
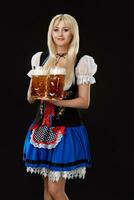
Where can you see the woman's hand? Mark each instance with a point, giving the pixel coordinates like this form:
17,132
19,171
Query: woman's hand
56,102
82,101
29,97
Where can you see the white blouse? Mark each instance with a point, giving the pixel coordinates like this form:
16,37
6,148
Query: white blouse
84,71
35,61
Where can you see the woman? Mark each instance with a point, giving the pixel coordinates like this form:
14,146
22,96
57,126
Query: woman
57,144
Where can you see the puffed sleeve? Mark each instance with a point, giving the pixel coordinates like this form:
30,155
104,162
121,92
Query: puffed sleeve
35,61
85,70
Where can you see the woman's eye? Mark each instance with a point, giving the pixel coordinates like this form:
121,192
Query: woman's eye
56,29
66,30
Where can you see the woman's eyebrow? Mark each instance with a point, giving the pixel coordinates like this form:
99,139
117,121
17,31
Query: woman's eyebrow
62,27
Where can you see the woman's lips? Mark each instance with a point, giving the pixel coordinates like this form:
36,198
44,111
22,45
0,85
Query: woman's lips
60,38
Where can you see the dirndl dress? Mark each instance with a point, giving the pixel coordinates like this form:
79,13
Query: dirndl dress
57,142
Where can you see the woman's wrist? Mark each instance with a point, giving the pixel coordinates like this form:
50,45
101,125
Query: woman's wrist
30,99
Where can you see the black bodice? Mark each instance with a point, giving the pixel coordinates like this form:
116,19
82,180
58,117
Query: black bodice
66,116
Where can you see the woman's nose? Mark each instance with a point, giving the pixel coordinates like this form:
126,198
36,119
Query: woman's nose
60,33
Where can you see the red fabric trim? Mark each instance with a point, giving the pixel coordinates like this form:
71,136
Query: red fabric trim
35,126
49,110
59,129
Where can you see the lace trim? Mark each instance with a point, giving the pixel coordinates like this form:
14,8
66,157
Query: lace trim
48,146
81,79
54,176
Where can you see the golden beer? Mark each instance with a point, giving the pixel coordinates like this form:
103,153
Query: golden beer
39,84
55,83
55,86
48,85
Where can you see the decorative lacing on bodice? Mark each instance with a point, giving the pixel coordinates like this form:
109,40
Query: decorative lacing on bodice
44,135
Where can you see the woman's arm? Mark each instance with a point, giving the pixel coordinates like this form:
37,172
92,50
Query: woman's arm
82,101
29,97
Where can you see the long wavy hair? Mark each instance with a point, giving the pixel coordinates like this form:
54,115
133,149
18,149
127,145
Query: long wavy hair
72,49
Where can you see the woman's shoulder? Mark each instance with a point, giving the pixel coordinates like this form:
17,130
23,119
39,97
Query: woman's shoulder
38,58
82,57
35,60
86,60
85,69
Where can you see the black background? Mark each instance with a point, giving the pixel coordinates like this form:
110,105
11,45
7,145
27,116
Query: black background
106,34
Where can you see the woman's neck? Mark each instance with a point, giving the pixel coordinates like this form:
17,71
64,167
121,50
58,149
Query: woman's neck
61,51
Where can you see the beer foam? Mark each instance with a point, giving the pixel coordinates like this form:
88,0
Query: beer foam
58,70
38,70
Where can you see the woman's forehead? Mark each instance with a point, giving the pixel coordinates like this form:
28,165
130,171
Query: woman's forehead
61,22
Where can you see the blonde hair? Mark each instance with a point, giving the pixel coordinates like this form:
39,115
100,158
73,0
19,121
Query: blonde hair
73,47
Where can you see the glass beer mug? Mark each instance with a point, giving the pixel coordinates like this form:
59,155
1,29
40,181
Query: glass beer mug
39,82
55,83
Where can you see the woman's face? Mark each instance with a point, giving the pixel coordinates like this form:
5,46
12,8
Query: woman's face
61,34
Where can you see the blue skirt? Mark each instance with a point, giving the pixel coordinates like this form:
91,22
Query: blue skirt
69,159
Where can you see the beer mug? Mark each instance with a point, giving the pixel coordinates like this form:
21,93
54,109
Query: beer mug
39,82
55,83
